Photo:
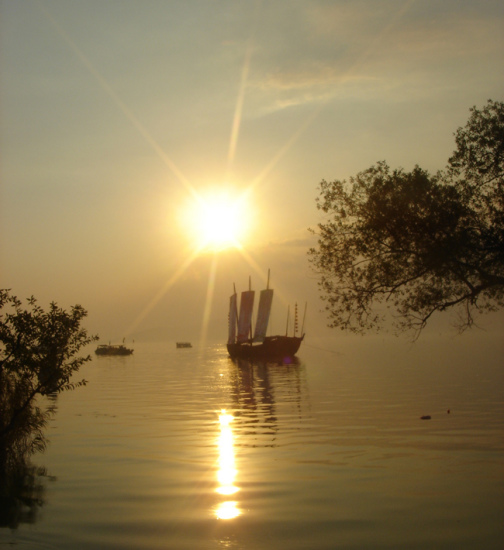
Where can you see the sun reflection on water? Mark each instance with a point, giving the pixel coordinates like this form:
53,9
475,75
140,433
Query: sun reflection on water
227,471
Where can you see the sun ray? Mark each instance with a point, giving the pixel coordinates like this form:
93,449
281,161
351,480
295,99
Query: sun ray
285,148
344,77
130,115
208,301
238,111
162,291
241,93
235,130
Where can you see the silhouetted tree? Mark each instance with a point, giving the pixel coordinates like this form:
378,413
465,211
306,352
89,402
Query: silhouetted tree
38,356
412,244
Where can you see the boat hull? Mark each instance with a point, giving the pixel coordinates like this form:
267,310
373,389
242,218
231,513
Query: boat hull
113,350
273,348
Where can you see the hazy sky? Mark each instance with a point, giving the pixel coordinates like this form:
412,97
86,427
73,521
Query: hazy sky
115,114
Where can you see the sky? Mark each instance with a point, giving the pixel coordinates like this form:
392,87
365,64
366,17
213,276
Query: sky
118,116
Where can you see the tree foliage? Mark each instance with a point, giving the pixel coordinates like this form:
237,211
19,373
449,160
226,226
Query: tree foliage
410,244
38,356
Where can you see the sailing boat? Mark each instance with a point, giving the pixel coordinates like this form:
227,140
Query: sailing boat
241,343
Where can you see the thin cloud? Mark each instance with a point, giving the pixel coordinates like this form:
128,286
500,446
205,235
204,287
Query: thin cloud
396,50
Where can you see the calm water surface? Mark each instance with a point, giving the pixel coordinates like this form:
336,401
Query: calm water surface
176,449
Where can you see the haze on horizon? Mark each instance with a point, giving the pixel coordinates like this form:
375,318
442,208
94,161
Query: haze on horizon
116,115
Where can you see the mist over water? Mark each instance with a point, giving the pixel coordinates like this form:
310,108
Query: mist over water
183,448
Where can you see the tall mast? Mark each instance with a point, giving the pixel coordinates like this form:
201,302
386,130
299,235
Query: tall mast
250,288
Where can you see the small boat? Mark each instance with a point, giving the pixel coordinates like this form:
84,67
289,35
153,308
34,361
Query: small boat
113,349
241,344
184,345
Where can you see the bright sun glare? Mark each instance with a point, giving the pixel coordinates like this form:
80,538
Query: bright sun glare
216,221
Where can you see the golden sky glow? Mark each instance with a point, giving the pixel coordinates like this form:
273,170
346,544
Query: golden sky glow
117,115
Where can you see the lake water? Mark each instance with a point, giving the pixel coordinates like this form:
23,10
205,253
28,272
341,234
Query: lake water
184,449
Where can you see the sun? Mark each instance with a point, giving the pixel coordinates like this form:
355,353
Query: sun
216,221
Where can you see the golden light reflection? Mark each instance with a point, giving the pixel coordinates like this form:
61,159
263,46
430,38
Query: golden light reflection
226,473
227,510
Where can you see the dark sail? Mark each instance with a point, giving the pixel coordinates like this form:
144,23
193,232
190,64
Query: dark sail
265,301
245,318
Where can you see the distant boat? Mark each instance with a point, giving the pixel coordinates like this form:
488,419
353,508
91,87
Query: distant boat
113,349
184,345
241,344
